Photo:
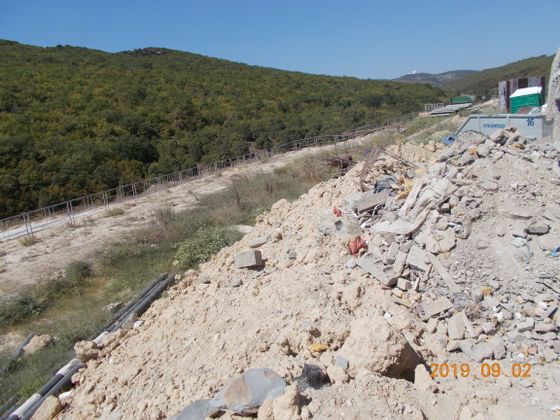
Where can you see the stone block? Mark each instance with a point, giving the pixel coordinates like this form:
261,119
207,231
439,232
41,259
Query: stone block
383,274
428,309
456,326
404,284
416,259
247,259
369,201
391,253
526,325
258,242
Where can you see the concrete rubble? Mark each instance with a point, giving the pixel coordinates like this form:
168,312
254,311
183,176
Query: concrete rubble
460,267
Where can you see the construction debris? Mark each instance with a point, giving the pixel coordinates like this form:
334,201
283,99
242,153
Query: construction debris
450,262
248,259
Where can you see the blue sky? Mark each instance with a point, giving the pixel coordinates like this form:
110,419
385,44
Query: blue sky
367,39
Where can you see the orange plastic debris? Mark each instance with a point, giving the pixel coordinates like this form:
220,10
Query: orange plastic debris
356,245
336,212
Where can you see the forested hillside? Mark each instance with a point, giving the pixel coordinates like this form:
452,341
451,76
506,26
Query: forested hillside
74,120
485,82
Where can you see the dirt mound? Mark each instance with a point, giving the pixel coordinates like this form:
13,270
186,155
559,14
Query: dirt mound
453,266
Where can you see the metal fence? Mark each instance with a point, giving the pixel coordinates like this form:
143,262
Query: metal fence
67,212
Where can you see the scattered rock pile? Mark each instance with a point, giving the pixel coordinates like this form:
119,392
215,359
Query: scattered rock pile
472,211
350,297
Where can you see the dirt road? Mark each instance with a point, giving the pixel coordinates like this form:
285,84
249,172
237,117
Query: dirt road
22,266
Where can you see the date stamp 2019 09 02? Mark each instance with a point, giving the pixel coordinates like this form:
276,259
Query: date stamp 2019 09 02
485,370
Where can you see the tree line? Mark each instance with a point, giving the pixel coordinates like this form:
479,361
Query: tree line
75,121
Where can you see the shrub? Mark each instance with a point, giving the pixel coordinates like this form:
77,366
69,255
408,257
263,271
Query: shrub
14,311
36,300
29,241
115,211
204,243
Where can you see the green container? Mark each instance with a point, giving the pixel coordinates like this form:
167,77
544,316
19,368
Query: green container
518,102
461,99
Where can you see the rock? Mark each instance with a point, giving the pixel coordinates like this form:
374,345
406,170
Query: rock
312,376
248,259
526,325
244,229
543,327
485,148
86,350
285,407
48,409
380,272
352,295
37,343
373,345
391,253
513,212
370,200
488,328
416,259
129,322
245,393
440,241
341,361
258,242
429,309
422,379
488,186
456,326
197,410
537,228
432,325
479,351
400,261
498,347
337,374
113,308
466,158
404,284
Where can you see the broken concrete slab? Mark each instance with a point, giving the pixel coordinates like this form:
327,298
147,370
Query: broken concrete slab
456,326
258,242
416,259
513,212
440,241
428,309
370,200
526,325
400,261
245,393
443,273
380,272
248,259
391,253
404,284
498,347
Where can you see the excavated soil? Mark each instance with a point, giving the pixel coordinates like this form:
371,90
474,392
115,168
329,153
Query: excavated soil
314,303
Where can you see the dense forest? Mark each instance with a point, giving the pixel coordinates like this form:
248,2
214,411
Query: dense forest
75,121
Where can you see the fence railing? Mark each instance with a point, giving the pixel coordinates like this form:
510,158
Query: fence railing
67,212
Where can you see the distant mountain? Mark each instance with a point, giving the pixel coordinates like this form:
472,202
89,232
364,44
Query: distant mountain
483,82
440,79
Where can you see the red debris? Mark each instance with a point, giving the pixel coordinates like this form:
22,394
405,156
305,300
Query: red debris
336,212
356,245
